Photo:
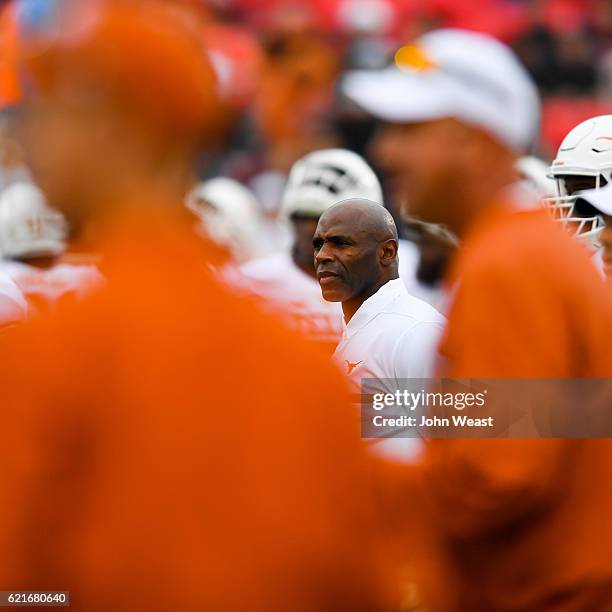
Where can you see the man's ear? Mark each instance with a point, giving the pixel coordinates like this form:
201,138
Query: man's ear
387,252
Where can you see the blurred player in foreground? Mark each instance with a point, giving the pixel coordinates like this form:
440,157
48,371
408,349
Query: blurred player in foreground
287,281
157,460
498,524
427,248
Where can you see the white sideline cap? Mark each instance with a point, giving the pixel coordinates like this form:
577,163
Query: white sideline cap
453,73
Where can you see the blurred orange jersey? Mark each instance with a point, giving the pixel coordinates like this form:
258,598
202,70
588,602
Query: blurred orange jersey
171,449
528,303
520,524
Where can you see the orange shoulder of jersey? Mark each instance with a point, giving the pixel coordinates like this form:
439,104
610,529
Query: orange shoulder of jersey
526,298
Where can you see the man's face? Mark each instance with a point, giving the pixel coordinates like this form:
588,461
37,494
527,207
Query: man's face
436,248
346,261
303,230
581,209
573,184
420,160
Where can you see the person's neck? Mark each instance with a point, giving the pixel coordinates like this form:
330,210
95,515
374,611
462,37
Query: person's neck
350,307
146,202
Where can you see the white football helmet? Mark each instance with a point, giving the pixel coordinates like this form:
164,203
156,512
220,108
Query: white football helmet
29,227
325,177
584,161
229,215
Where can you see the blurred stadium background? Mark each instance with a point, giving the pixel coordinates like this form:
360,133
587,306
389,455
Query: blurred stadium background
281,62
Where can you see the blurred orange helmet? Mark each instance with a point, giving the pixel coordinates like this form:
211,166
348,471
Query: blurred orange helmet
146,55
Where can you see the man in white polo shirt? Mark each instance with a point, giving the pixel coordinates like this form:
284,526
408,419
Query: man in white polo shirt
388,334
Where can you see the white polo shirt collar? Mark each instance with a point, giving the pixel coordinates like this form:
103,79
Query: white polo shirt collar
374,305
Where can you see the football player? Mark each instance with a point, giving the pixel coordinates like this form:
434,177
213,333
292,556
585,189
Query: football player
33,239
583,161
229,214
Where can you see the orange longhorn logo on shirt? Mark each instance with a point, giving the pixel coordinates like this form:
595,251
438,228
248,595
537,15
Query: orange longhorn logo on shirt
351,366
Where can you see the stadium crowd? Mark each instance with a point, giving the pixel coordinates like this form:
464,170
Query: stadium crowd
219,219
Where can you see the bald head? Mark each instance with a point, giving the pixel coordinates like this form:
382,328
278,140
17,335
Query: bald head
355,252
368,217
